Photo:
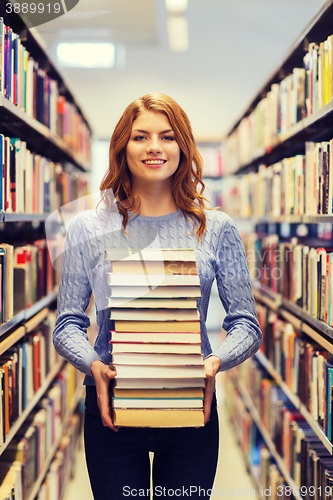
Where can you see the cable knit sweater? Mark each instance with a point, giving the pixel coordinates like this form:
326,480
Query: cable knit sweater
219,256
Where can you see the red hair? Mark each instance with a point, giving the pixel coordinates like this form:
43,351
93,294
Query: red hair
187,176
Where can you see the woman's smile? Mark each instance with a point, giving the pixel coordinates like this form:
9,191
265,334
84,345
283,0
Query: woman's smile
152,152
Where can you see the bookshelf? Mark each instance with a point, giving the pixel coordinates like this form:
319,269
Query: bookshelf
292,111
51,126
263,431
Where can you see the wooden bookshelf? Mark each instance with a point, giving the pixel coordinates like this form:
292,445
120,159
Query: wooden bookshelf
317,29
31,405
310,325
16,123
27,314
38,137
76,398
295,400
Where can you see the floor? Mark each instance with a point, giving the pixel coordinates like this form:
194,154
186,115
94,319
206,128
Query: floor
232,479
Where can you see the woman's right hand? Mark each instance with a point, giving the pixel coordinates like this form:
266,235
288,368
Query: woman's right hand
102,374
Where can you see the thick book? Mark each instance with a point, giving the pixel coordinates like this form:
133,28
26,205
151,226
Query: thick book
153,303
123,347
151,254
147,314
157,326
160,372
171,292
165,359
152,403
153,280
153,267
158,383
156,337
158,393
158,418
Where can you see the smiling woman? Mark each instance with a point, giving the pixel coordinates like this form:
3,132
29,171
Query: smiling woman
153,156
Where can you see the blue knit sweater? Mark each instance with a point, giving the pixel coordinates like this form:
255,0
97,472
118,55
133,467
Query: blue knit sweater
219,256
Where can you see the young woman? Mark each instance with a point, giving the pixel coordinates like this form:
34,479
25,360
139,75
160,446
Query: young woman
154,175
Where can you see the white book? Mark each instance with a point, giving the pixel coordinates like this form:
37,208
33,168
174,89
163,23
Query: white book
134,358
154,279
119,403
155,314
156,372
158,383
151,254
157,292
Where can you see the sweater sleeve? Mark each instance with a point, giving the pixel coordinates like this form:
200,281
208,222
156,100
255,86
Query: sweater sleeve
70,334
244,336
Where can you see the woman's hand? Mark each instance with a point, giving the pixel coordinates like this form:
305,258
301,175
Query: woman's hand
103,374
212,365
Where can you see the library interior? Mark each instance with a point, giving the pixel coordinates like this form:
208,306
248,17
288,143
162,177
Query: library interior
255,79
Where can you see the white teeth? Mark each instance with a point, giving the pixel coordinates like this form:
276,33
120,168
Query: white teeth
153,162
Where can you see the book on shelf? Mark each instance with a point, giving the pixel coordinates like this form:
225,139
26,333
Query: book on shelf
153,337
156,339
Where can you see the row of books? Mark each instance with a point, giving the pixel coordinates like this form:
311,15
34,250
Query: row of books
267,477
24,83
156,338
300,185
300,94
303,365
23,370
53,486
298,272
26,275
33,184
305,457
42,429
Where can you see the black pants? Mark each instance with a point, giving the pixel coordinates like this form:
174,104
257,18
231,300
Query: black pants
184,464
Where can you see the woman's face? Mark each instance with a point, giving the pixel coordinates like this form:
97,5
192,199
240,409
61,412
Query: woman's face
152,152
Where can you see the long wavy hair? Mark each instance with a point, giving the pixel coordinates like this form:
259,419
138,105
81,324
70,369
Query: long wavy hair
187,176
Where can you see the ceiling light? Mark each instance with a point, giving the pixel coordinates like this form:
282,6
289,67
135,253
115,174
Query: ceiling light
178,34
176,6
86,55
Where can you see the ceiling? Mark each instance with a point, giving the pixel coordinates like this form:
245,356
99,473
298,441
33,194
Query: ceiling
234,46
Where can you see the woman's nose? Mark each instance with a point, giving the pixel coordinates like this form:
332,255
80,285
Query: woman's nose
154,146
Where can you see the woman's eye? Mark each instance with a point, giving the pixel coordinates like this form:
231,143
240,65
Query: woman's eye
139,138
169,138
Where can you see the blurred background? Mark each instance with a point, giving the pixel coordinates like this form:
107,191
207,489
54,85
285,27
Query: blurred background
211,56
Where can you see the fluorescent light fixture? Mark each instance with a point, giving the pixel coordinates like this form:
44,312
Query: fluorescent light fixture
86,55
178,34
176,6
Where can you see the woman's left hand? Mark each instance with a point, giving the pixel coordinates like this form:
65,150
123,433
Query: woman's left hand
212,365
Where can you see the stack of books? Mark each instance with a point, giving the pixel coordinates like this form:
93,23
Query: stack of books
156,344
